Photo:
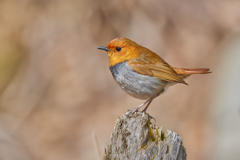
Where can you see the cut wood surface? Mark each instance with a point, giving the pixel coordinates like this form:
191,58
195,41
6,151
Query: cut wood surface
136,138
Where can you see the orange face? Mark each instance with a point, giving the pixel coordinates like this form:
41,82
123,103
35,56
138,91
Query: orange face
120,50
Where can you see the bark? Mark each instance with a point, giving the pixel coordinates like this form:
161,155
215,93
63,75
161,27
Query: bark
136,138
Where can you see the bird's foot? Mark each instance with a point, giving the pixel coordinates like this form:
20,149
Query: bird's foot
130,112
143,104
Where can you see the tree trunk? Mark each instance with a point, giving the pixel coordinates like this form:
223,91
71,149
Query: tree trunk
136,138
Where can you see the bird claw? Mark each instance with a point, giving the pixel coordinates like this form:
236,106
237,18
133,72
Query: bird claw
141,112
132,111
151,117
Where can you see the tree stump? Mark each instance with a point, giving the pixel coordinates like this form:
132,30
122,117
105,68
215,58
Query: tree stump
136,138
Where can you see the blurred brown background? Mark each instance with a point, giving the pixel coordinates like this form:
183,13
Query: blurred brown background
58,98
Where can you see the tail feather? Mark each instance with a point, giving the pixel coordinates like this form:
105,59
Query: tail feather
183,73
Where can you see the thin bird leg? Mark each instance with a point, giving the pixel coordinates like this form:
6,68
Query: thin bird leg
144,110
146,102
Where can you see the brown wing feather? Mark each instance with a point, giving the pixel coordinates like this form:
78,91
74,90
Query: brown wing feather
164,71
160,69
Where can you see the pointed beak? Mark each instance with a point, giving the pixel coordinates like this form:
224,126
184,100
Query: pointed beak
104,48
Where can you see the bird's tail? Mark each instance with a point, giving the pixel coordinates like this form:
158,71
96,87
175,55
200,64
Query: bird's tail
183,73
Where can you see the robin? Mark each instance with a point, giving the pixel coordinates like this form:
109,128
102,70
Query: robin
141,72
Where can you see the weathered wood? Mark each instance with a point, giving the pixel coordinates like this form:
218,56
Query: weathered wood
136,138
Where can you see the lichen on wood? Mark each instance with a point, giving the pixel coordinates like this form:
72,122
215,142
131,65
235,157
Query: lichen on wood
136,138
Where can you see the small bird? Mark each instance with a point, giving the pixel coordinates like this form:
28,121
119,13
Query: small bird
141,72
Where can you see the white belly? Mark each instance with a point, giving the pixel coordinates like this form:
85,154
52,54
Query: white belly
135,84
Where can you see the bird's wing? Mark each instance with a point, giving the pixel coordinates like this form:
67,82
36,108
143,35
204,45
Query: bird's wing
159,69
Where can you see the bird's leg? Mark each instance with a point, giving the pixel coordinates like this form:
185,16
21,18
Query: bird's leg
151,99
146,102
144,110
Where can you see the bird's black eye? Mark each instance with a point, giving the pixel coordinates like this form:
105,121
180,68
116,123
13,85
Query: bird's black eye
118,49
